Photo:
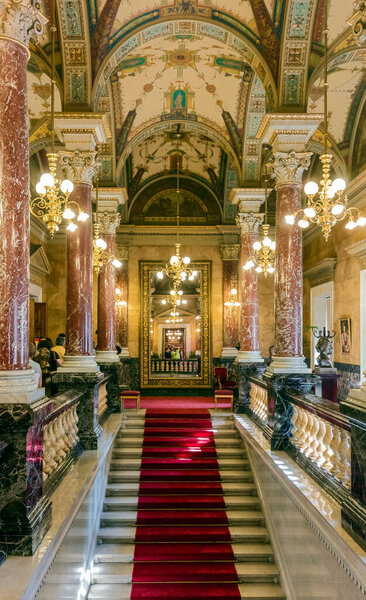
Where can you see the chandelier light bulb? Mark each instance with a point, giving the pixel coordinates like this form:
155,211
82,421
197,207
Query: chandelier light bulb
174,260
234,291
257,246
184,301
68,214
67,186
82,217
118,291
248,265
194,273
180,292
172,292
331,192
191,278
160,275
183,275
186,260
311,188
303,223
267,242
179,302
361,221
117,263
351,225
339,185
40,189
290,219
337,209
236,304
100,243
259,269
71,227
273,245
163,301
47,180
310,212
270,269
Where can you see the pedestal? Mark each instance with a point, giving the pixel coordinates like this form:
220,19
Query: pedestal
328,386
25,514
115,371
243,370
229,353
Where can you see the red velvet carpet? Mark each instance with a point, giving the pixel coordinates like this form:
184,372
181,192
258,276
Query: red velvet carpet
182,542
176,402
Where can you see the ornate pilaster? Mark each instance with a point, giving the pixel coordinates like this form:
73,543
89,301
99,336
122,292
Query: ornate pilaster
249,224
19,23
288,169
230,257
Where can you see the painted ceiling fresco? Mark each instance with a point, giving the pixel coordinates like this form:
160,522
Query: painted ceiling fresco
132,9
189,74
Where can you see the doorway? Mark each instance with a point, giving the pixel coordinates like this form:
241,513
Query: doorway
321,314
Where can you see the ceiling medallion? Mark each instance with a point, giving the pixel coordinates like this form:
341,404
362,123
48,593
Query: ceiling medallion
326,205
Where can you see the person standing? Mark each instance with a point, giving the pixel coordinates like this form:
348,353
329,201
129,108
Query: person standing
60,347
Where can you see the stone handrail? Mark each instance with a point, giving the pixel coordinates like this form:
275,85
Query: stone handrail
103,399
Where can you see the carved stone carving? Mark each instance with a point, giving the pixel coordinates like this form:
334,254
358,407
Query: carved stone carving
108,222
288,167
122,251
358,23
230,251
80,167
249,222
21,21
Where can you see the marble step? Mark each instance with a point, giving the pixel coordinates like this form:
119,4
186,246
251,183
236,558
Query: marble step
133,464
220,442
231,502
120,591
132,489
125,552
137,452
238,533
129,517
247,572
226,475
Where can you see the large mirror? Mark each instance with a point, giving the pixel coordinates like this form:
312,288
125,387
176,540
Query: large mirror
175,340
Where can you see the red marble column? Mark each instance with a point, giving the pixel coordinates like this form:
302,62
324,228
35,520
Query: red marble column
230,255
288,357
19,23
249,298
80,355
122,311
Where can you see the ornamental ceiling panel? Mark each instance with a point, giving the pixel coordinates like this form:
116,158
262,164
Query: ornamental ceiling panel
130,10
189,77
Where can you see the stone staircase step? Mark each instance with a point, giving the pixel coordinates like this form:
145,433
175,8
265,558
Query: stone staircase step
227,475
250,591
132,489
218,442
231,502
133,464
115,518
136,452
239,534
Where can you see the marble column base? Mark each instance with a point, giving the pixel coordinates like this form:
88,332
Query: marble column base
229,353
106,357
288,365
115,371
19,387
87,382
124,353
79,364
249,356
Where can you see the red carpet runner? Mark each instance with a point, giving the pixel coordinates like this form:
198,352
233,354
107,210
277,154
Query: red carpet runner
182,544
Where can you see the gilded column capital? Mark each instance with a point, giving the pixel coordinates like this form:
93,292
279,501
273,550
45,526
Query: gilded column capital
249,222
288,167
230,251
122,251
81,167
108,222
21,21
358,23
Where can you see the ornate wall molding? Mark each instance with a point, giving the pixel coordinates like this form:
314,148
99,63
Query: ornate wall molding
322,272
230,251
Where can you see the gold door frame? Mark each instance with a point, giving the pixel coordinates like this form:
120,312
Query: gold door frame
205,378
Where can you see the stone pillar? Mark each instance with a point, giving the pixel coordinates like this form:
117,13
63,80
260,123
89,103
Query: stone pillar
106,347
288,135
288,356
20,22
230,257
122,310
80,356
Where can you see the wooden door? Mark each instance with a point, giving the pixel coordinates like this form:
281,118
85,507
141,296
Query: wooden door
40,319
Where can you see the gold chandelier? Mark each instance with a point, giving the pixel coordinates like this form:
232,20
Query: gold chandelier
178,268
233,300
175,300
263,258
52,204
101,257
325,204
119,302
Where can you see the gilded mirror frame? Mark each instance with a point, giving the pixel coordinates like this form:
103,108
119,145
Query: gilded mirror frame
204,380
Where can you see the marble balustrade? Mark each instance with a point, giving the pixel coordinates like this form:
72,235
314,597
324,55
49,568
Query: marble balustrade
103,400
258,401
60,437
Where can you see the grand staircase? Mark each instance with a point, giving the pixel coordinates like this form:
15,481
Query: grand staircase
181,517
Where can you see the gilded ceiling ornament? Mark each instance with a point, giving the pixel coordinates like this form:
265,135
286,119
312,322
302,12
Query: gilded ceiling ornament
358,22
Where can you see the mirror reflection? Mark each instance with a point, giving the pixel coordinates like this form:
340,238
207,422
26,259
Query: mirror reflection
175,331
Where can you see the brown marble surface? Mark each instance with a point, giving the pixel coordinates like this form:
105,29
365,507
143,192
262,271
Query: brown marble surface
107,300
249,297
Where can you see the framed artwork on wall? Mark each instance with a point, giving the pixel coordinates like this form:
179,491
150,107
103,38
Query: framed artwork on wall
345,335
